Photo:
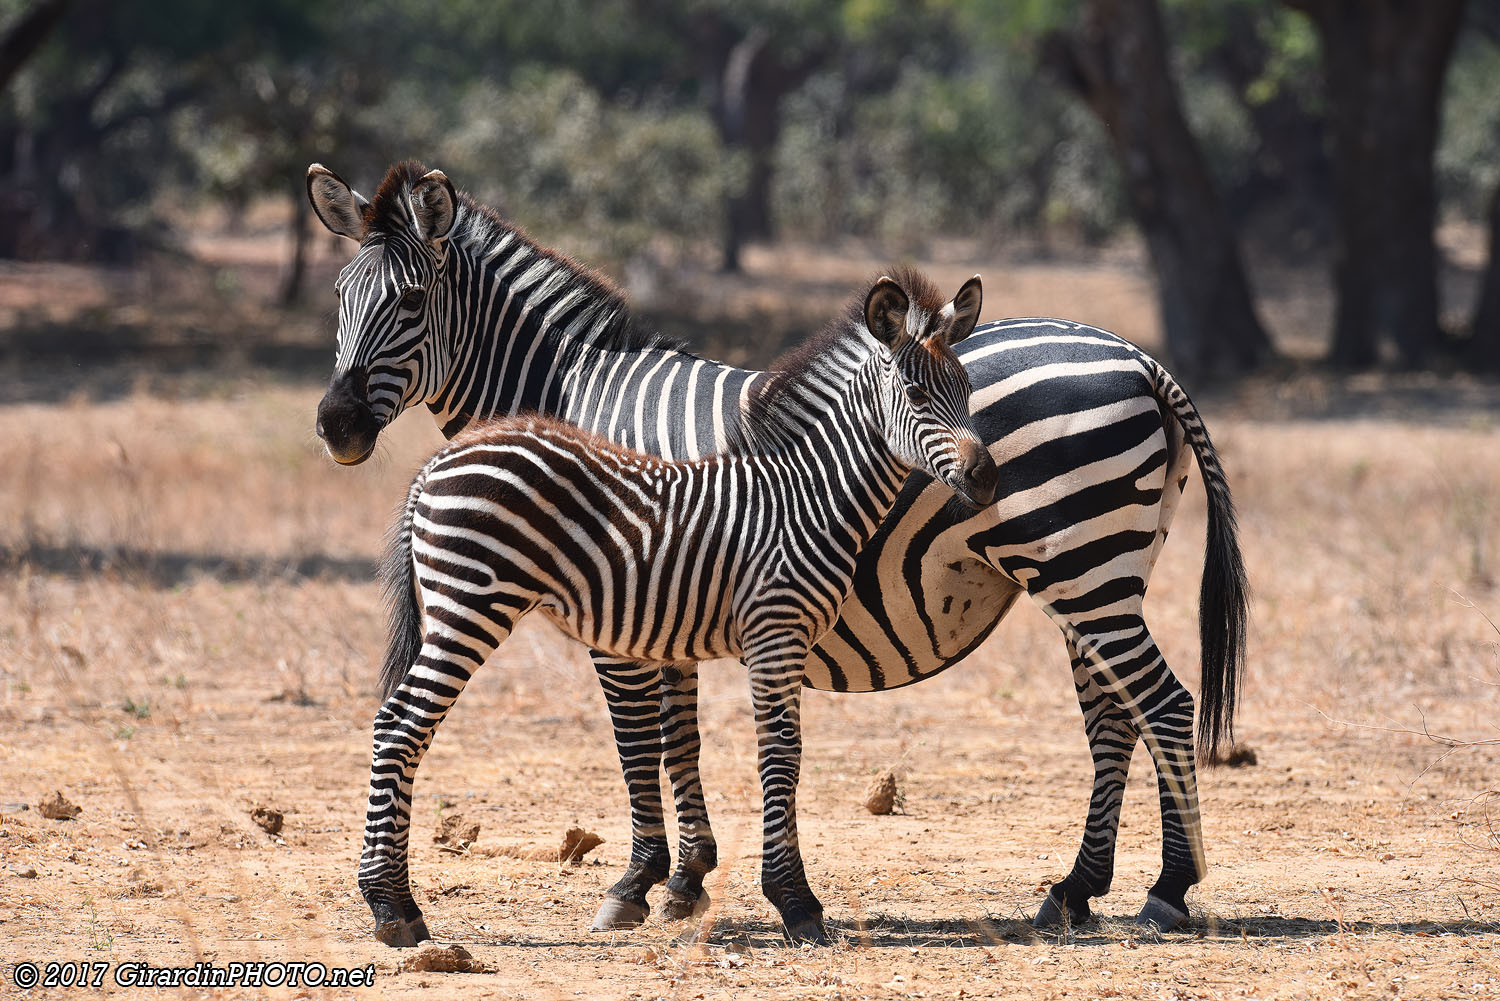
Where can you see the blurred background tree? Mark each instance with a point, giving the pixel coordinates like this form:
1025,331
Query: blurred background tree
1332,134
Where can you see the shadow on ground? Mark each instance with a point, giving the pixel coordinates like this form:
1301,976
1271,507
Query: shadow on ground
150,568
887,931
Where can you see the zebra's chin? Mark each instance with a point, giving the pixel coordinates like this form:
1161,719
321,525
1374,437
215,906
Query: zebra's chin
976,478
349,440
348,459
972,501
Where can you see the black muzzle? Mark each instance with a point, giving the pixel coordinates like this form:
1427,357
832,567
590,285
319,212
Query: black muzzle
345,422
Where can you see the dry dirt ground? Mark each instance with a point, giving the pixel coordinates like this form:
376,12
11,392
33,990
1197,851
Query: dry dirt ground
189,632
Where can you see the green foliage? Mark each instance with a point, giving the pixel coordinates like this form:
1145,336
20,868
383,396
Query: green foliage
1293,65
988,150
591,121
558,158
1468,153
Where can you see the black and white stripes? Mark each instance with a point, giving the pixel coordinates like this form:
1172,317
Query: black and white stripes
747,554
1092,437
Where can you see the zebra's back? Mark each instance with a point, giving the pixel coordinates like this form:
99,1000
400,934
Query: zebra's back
627,553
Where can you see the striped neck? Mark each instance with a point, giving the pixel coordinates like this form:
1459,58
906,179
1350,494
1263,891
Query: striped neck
833,425
526,330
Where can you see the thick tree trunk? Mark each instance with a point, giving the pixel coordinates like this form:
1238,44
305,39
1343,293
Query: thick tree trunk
746,116
1385,61
748,78
1116,60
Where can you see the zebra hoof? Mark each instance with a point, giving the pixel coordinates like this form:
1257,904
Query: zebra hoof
809,931
1050,914
616,915
398,934
418,928
1161,915
680,907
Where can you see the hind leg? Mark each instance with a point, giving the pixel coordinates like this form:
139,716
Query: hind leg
632,691
404,728
1140,692
1112,738
697,851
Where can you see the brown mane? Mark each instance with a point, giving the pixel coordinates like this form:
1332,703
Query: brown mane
478,223
776,411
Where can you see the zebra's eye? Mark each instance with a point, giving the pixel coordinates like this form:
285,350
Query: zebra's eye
917,396
412,299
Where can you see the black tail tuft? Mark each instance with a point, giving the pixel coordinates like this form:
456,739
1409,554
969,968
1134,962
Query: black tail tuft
403,613
1224,597
1223,623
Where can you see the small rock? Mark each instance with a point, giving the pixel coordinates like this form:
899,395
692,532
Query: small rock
456,831
267,819
59,807
434,958
882,795
24,871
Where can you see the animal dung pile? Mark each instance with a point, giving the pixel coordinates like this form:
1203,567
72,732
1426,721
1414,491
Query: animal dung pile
883,795
456,831
435,958
1238,756
267,819
59,807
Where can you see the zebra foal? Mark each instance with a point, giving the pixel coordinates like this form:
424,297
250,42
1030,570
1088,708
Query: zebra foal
749,553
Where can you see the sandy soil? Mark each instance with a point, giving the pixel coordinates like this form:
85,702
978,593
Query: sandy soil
188,633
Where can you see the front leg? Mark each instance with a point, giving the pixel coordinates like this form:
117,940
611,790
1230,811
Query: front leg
777,665
632,692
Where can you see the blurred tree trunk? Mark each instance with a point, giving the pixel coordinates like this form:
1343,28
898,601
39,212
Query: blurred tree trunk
291,282
1115,59
746,77
747,116
1385,61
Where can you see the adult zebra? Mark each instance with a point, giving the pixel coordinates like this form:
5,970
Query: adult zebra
747,553
446,305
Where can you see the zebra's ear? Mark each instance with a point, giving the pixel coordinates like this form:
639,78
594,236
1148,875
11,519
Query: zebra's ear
966,307
885,312
434,205
337,206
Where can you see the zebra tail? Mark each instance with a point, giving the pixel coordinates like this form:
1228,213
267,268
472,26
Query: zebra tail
403,611
1224,595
